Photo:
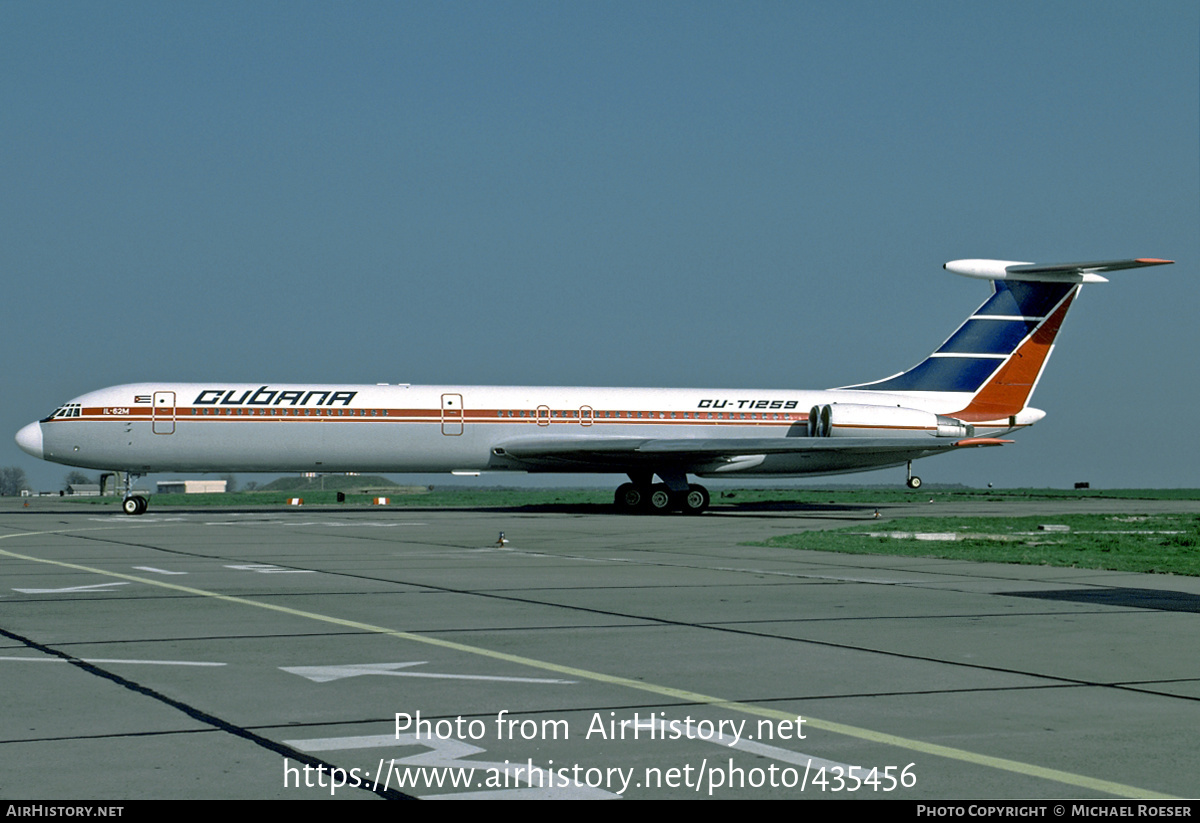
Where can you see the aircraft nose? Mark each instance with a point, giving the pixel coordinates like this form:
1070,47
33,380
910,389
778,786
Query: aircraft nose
30,439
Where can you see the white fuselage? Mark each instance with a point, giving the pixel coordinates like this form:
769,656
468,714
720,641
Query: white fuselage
154,427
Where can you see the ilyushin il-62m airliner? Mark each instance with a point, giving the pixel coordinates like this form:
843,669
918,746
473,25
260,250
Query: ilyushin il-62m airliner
968,393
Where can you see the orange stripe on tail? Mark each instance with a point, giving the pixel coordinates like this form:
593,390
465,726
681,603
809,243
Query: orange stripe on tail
1009,388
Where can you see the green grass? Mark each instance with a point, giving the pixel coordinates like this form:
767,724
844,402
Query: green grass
887,494
1162,543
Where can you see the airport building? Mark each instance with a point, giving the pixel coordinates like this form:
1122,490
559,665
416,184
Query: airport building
190,486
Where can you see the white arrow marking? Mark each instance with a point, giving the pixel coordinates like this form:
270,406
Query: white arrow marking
111,660
96,587
324,674
264,568
447,753
332,523
764,749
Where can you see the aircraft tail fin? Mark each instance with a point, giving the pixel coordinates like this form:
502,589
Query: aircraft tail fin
993,360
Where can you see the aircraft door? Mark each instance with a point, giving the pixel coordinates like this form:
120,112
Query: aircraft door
162,413
585,415
452,414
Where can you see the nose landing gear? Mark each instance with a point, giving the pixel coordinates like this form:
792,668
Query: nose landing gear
133,504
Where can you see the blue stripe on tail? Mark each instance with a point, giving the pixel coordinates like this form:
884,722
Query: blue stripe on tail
983,342
1025,299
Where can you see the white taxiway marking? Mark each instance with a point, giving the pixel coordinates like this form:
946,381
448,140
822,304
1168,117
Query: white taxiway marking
746,745
141,522
324,674
334,523
111,660
449,753
156,571
841,578
96,587
264,568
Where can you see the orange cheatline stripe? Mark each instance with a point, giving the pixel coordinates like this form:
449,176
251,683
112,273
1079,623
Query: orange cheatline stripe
184,414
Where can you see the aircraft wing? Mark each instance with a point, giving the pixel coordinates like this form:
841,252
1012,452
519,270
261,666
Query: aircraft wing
703,454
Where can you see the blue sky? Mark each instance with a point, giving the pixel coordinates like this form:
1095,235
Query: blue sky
735,195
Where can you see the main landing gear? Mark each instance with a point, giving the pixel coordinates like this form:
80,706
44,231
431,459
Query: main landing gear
913,482
133,504
676,494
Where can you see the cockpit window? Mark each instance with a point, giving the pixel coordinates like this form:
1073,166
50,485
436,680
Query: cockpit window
69,410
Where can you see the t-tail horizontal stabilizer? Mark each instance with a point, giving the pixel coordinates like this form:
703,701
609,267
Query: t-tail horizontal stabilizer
989,367
1047,272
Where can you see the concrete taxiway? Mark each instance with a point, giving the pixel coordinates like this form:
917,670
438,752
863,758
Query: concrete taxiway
354,654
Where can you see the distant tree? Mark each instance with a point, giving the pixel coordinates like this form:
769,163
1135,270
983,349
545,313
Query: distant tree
12,481
230,482
251,486
78,478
